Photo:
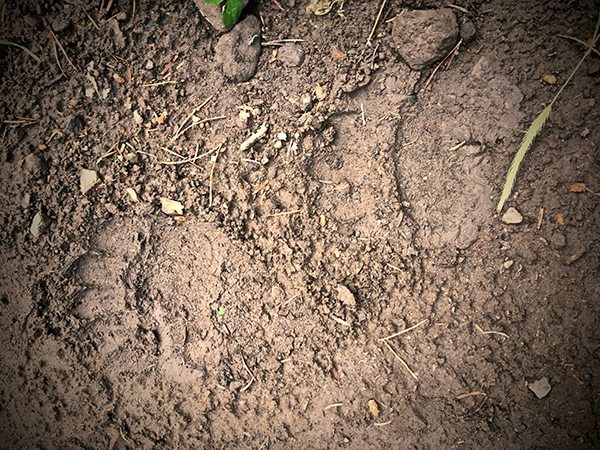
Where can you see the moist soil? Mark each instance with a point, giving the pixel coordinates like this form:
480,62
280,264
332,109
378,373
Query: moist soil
253,317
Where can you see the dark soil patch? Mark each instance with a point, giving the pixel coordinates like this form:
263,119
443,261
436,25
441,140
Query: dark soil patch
254,319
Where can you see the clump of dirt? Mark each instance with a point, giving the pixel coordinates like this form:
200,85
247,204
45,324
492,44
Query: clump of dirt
273,305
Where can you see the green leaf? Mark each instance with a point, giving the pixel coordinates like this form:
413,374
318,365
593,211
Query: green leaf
532,132
221,311
231,14
213,2
29,52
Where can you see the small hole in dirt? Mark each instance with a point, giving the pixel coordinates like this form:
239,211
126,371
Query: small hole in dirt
4,300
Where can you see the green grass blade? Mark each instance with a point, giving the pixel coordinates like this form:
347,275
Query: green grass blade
532,132
29,52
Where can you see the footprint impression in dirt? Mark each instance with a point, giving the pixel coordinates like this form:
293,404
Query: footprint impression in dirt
150,292
445,154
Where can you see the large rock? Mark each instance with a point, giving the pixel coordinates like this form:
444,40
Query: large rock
239,50
425,37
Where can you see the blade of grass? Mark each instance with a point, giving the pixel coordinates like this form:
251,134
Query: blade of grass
26,50
538,123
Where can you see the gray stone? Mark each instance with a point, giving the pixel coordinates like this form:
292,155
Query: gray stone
75,125
512,216
214,13
239,50
467,31
291,55
424,37
541,387
40,223
60,24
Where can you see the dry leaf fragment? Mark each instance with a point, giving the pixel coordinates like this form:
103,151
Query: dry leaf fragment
374,408
560,219
336,53
550,79
577,187
322,220
171,206
320,92
273,56
132,194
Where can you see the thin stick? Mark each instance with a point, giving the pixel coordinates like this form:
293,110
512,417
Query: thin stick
201,121
63,50
440,64
403,331
380,424
540,218
281,41
196,109
188,160
133,13
278,5
159,84
368,44
401,360
56,57
497,332
333,405
285,213
212,171
251,376
110,152
470,394
579,41
90,17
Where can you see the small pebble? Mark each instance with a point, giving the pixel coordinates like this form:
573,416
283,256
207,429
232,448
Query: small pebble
60,24
88,179
149,65
138,119
281,136
277,145
508,264
512,216
40,223
467,31
306,102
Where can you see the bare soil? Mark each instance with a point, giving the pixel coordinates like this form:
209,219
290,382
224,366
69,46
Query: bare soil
255,319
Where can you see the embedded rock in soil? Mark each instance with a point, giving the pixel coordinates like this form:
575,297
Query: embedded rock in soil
346,297
541,387
40,223
424,37
88,179
238,51
214,13
291,55
75,125
60,24
467,31
512,216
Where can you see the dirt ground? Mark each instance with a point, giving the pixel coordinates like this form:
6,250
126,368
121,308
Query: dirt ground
254,317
